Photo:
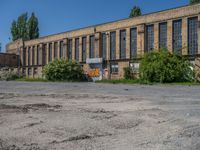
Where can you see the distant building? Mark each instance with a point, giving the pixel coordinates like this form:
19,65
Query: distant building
117,43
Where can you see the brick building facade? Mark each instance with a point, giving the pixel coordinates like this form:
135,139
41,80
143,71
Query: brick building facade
118,43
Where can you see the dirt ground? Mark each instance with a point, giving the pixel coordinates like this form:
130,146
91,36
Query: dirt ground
89,116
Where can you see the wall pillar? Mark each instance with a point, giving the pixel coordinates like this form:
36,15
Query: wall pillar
65,48
58,49
169,36
80,49
97,46
73,48
108,46
47,53
199,34
156,36
140,40
27,56
87,47
21,56
128,34
117,44
184,36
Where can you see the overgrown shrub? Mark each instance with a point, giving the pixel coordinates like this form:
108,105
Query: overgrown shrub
7,75
129,73
165,67
63,70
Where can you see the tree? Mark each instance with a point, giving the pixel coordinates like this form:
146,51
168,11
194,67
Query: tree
135,11
25,28
33,29
194,1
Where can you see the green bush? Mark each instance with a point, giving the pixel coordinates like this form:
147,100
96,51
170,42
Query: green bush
60,70
129,74
7,75
165,67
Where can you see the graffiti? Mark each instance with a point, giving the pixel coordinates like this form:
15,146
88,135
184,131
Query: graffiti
94,72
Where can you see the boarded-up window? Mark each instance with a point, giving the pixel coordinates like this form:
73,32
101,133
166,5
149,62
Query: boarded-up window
113,45
92,39
133,41
177,36
193,36
122,44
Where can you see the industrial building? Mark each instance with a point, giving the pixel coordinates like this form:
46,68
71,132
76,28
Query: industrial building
115,45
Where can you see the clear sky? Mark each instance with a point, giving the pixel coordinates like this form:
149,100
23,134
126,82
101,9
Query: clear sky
63,15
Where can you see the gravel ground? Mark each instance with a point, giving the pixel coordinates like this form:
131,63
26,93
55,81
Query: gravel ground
89,116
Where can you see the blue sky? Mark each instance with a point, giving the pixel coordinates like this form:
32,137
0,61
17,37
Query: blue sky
62,15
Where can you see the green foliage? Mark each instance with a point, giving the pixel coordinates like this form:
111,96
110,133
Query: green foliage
60,70
33,29
129,73
165,67
25,28
135,11
194,1
7,75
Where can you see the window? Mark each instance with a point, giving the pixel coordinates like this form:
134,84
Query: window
33,55
114,68
50,52
84,40
77,49
103,45
163,35
38,55
113,45
56,50
44,54
69,52
92,39
177,36
122,44
193,36
133,42
61,49
24,57
149,38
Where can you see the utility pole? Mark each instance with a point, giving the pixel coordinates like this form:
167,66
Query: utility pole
0,47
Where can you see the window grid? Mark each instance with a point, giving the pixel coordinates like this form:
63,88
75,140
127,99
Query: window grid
92,39
113,45
133,41
149,38
122,44
50,52
84,40
69,54
77,49
177,36
193,36
104,45
163,35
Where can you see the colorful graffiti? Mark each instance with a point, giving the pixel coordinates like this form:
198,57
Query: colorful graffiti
94,72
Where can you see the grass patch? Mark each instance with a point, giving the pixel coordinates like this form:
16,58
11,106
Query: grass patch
124,81
32,80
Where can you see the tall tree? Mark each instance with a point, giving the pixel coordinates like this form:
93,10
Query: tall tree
194,1
33,29
135,11
25,28
14,31
22,26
